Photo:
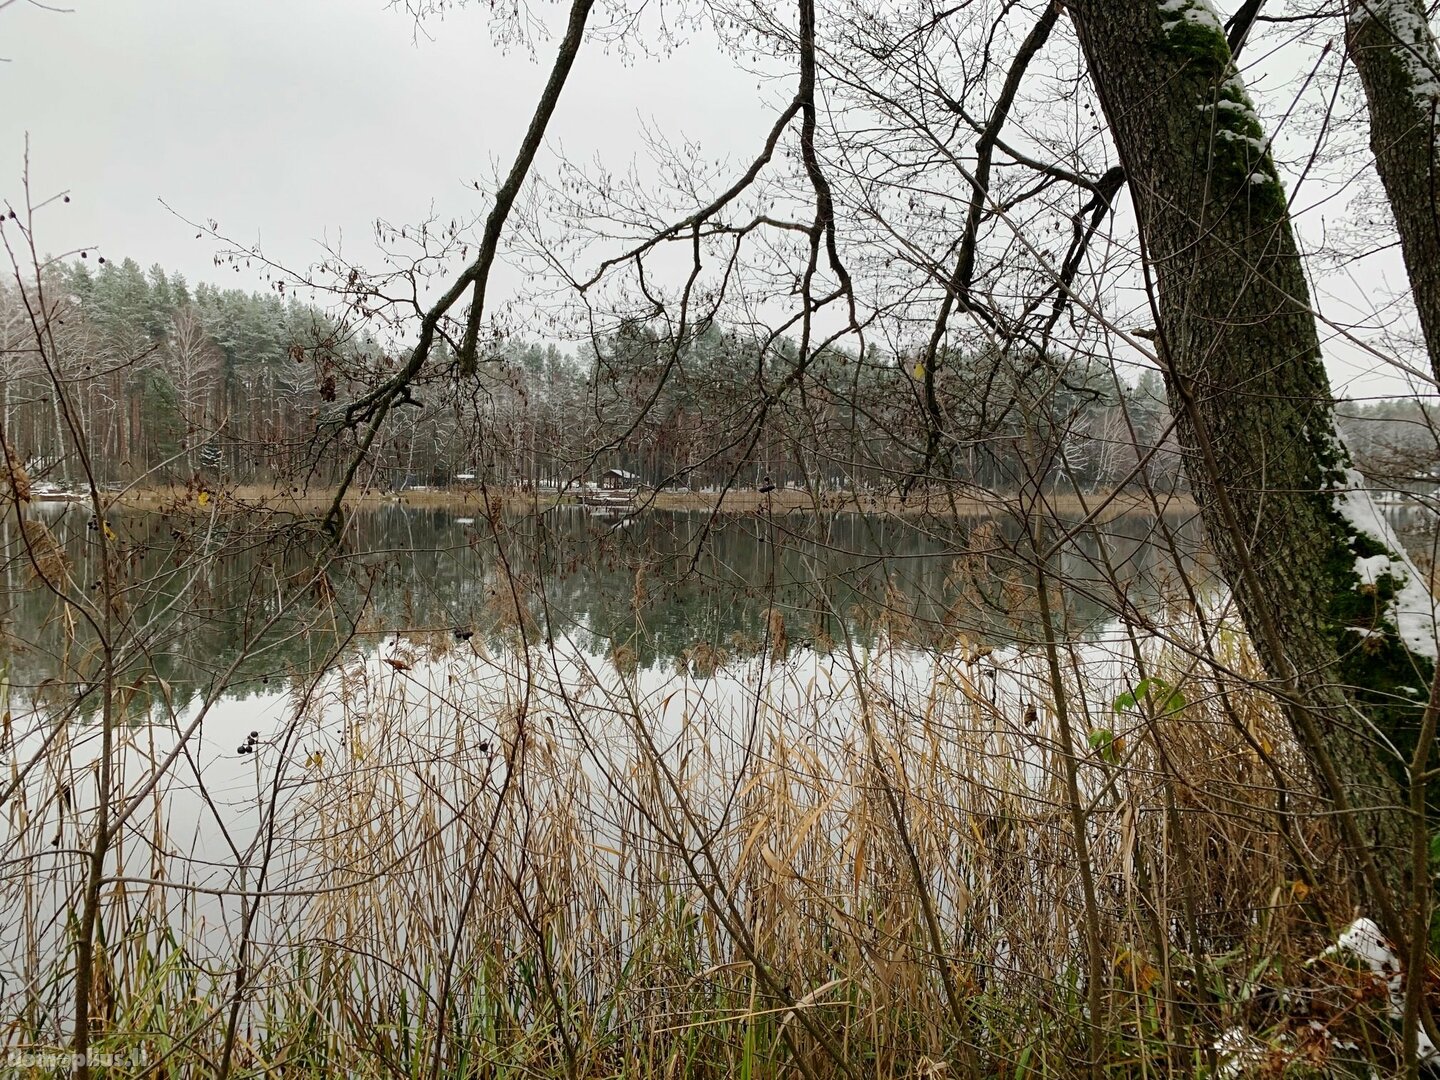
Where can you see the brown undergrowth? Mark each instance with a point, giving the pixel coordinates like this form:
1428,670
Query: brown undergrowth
479,860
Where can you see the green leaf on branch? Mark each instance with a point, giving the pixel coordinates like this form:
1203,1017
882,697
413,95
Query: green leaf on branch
1105,745
1166,699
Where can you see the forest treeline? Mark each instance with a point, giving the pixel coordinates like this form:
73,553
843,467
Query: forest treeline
173,381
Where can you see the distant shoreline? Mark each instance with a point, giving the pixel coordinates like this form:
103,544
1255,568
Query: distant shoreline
274,499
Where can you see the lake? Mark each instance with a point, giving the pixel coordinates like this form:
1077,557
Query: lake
203,594
482,747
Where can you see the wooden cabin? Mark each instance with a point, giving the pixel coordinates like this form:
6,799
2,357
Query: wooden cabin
618,480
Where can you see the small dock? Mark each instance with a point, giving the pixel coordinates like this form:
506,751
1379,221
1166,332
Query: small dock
42,493
609,498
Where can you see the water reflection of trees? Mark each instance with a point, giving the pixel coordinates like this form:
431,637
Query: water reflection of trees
656,585
199,595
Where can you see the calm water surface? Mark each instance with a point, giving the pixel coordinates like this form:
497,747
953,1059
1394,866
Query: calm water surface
435,632
203,594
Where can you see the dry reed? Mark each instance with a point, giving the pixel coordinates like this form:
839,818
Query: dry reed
468,859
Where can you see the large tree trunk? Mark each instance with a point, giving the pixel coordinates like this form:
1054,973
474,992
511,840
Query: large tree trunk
1295,535
1394,51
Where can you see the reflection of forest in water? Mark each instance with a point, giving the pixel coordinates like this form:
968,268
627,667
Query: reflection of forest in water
660,584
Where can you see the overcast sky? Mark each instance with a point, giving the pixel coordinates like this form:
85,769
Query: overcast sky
297,122
293,122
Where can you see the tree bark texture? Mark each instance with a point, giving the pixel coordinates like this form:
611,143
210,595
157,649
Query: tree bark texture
1392,48
1241,354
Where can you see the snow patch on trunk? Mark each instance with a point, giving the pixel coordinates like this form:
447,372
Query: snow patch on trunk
1412,609
1411,41
1192,11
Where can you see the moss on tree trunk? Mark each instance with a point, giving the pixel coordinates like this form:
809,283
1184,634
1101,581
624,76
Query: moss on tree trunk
1242,360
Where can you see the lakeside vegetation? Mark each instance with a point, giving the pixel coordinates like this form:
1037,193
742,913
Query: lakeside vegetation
486,872
1103,505
238,389
909,604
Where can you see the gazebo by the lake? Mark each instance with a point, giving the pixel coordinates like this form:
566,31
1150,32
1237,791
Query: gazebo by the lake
618,480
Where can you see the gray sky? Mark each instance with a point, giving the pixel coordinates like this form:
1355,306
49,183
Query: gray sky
297,122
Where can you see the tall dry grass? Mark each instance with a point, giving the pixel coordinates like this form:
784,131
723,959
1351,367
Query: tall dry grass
466,859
